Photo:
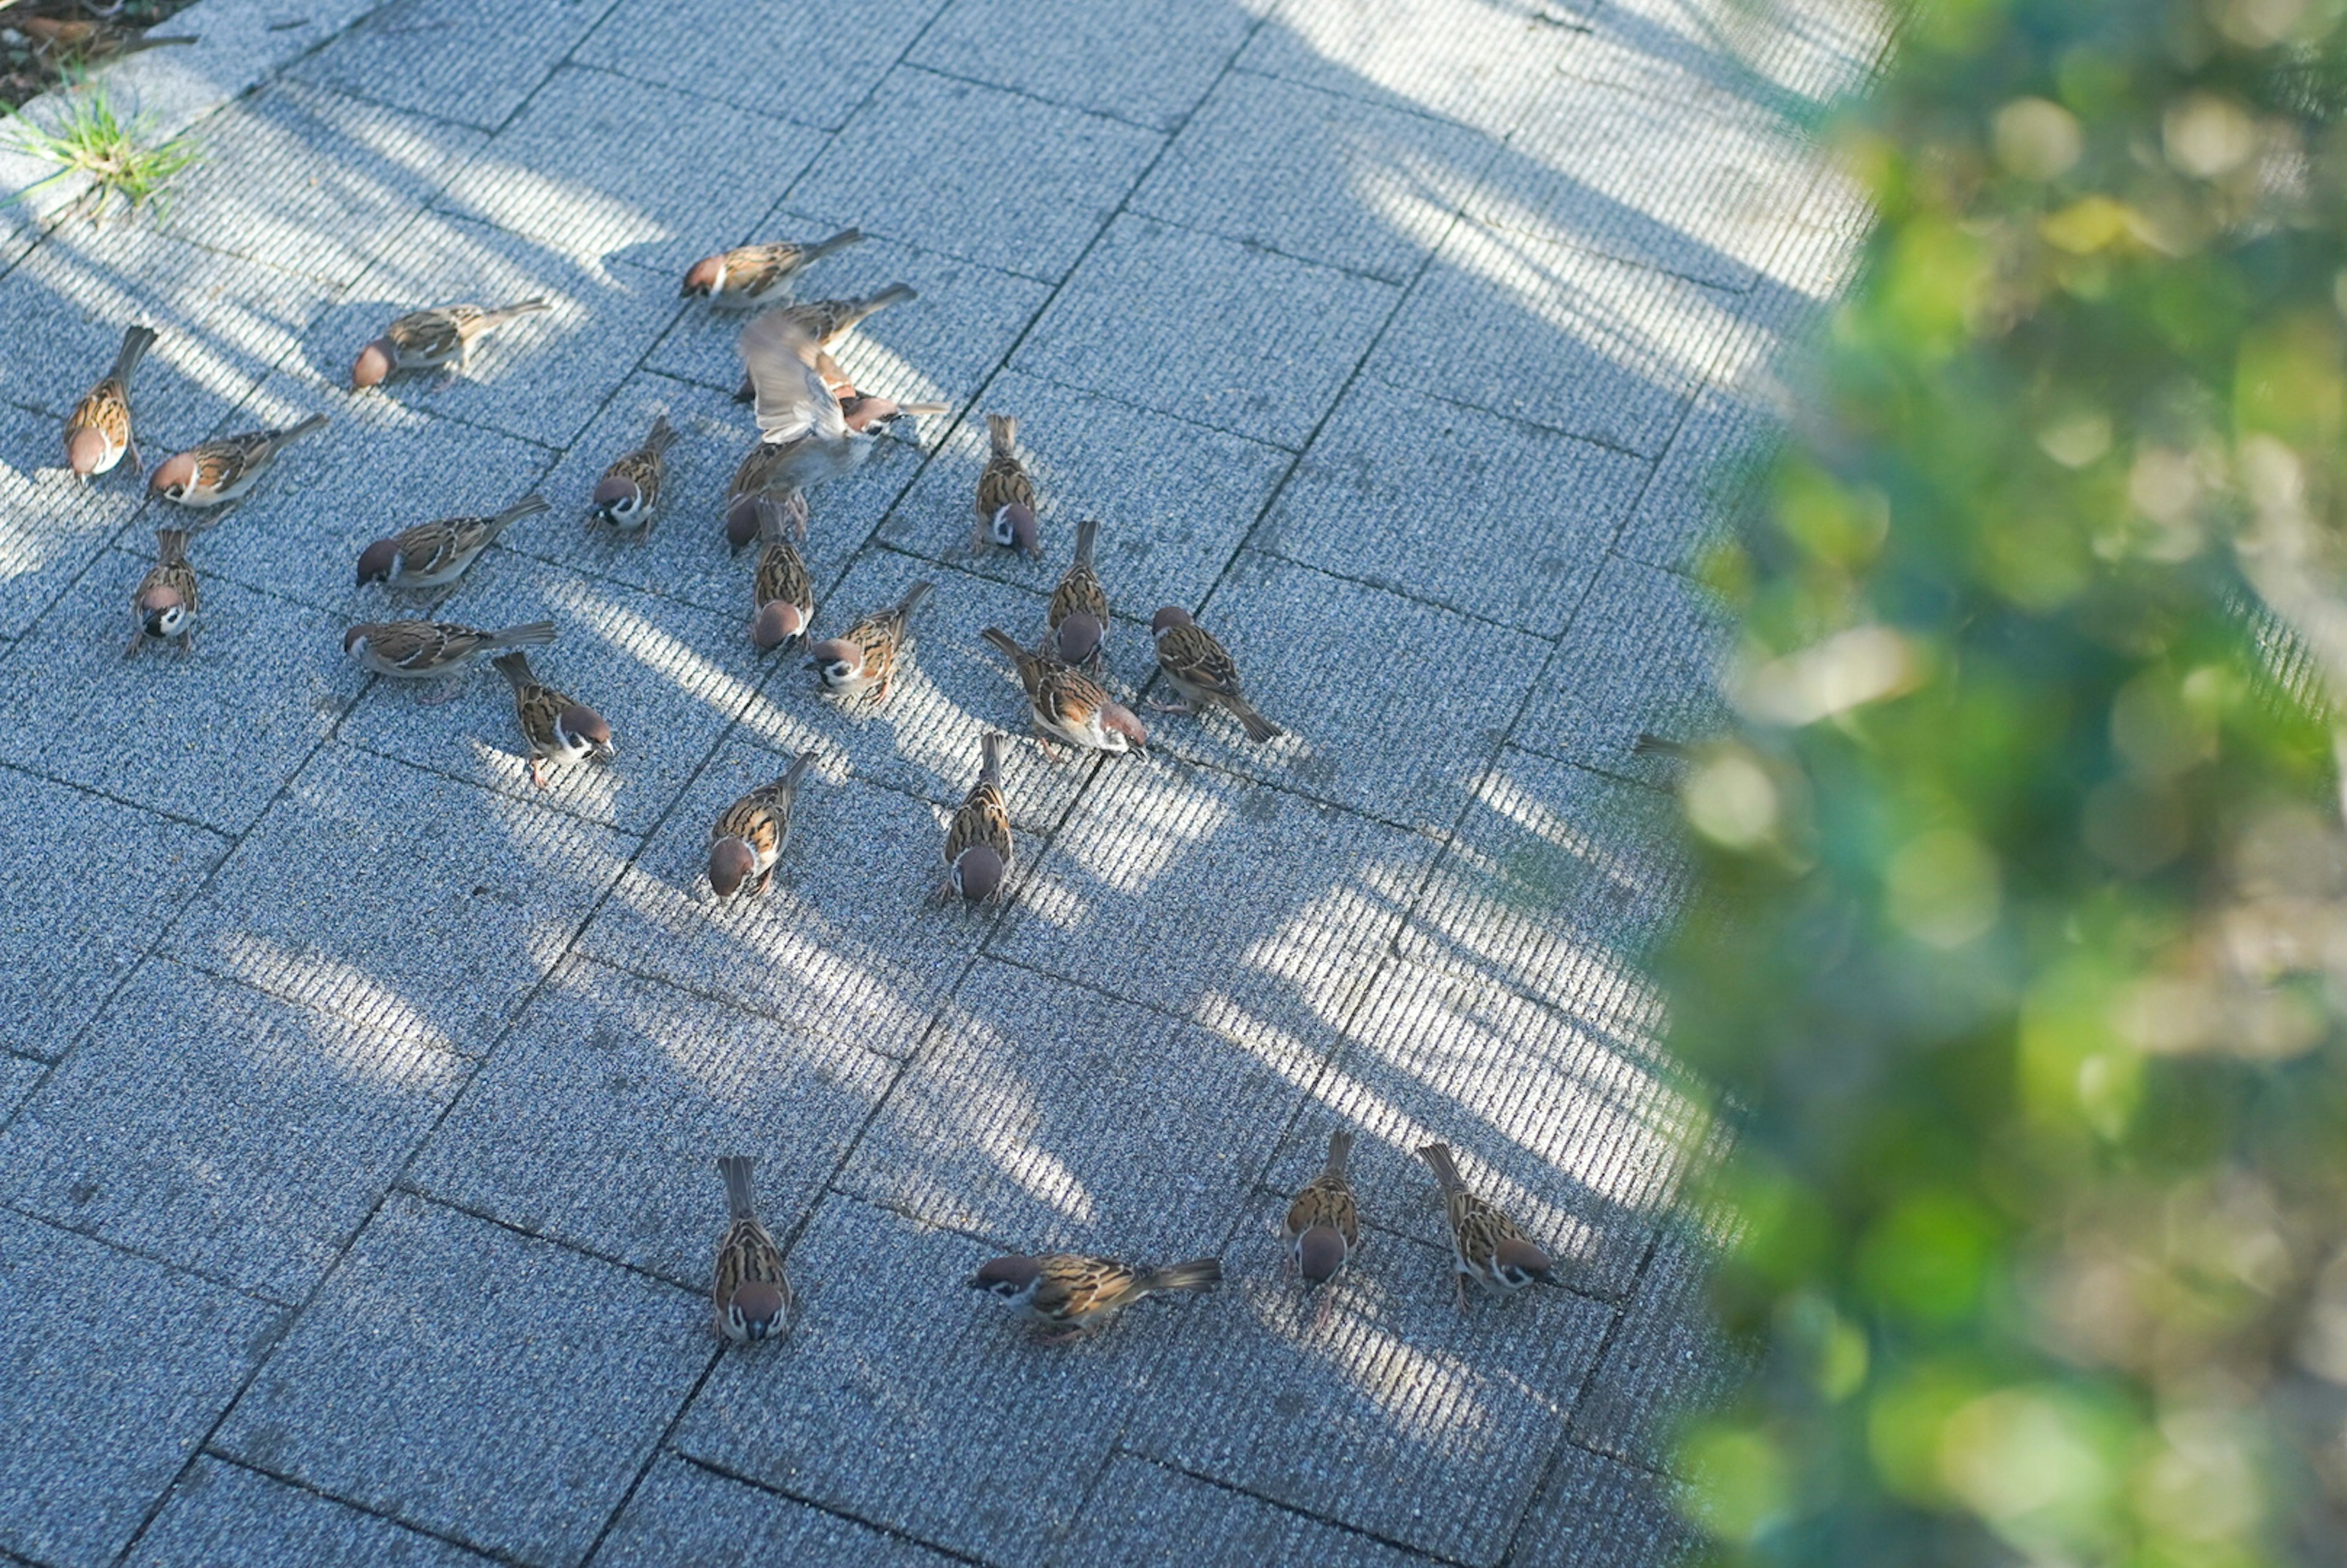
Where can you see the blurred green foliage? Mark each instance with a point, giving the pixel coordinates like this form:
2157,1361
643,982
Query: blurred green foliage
2030,985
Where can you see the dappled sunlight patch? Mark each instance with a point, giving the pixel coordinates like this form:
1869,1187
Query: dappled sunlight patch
569,220
1159,818
1327,937
400,1049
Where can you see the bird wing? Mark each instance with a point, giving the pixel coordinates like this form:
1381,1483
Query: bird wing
792,400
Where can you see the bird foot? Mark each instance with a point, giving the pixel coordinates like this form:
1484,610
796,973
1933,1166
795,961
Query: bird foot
1171,707
448,693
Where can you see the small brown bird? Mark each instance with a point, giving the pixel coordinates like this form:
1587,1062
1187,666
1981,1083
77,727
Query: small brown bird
1074,1293
1079,616
1324,1224
558,729
164,604
977,841
1006,496
419,650
827,322
215,473
440,338
1202,672
783,590
755,478
629,489
750,834
865,659
435,554
749,276
98,434
1067,705
1487,1246
752,1293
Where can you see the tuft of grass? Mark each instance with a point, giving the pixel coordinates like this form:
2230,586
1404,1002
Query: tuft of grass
120,157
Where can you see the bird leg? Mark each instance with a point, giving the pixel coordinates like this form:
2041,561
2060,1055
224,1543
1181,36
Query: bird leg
538,772
1460,1279
1173,707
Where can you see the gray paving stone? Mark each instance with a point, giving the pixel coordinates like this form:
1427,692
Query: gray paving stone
1557,335
210,735
18,1076
382,893
1790,58
477,1383
1447,503
1578,1132
94,883
979,1137
1209,329
885,174
841,946
1186,888
311,180
1146,63
1480,65
815,69
1345,669
104,1416
1394,1401
600,1120
191,1164
669,678
1141,1510
51,525
1317,175
975,1457
1174,499
223,1515
1708,484
433,56
1598,1513
1643,656
685,1513
1668,1361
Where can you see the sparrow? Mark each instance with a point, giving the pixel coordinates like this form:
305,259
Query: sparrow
1079,618
1202,672
827,321
434,555
417,649
1324,1224
1074,1293
98,434
863,660
752,1293
1006,496
978,842
749,276
219,472
751,480
558,729
441,337
783,591
868,415
752,833
1487,1246
1069,705
630,488
165,603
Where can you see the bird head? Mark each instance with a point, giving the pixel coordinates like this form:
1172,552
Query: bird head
373,363
977,874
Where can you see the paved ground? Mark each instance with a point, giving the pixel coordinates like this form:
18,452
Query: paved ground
359,1101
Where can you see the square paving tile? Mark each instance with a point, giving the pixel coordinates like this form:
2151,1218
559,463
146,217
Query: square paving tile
842,945
1317,175
1666,1361
1578,1133
1396,1399
1709,482
479,1384
883,173
1141,1507
93,884
684,1512
18,1077
815,70
1139,61
223,1515
977,1415
210,735
1209,329
433,56
595,168
1644,656
1598,1513
983,1135
600,1120
1502,519
1174,499
104,1417
380,891
1479,64
51,524
191,1164
1184,887
1344,668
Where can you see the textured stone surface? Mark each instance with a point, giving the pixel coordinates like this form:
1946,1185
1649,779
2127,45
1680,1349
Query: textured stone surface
686,1513
1480,65
223,1515
430,56
1142,1510
1146,63
814,71
1642,657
